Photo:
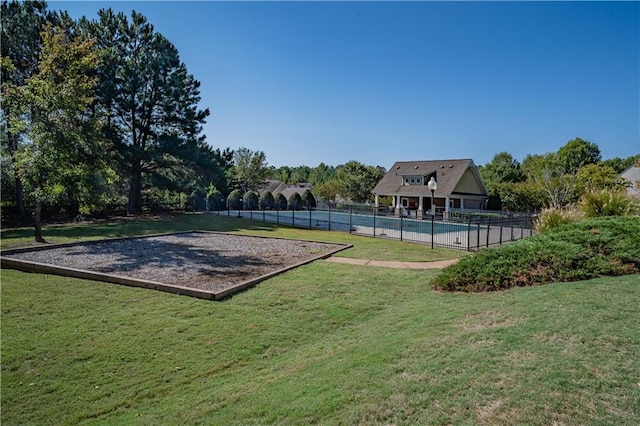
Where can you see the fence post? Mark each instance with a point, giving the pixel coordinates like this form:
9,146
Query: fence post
293,218
350,218
501,226
488,230
432,219
278,216
250,214
477,235
400,226
263,218
469,234
374,222
310,218
329,215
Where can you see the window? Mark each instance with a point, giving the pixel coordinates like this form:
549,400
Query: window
413,180
419,181
406,180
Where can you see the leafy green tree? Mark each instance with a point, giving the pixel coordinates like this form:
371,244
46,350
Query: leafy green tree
282,174
62,143
281,202
149,99
234,200
321,174
250,200
521,196
621,164
266,202
356,180
250,169
295,201
327,190
21,44
503,168
597,177
578,153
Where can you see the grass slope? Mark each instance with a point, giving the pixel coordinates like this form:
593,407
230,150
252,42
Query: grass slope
325,343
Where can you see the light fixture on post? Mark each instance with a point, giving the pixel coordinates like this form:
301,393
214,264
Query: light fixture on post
433,185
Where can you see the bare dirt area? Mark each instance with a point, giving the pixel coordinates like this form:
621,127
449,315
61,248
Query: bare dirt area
200,260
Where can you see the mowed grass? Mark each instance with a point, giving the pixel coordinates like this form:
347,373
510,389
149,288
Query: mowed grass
364,247
325,343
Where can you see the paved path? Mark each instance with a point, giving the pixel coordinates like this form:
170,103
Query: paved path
393,264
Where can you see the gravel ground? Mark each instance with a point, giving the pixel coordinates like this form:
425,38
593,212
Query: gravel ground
206,261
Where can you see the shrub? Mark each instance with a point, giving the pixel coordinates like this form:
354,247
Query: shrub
215,199
234,200
281,202
295,201
196,201
551,217
308,200
267,202
600,203
575,251
250,200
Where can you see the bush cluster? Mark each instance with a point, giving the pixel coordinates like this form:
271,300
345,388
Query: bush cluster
575,251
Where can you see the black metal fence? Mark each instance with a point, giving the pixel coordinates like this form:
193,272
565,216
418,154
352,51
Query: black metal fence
457,231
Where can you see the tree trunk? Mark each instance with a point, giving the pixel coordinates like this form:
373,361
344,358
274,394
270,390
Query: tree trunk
135,190
37,216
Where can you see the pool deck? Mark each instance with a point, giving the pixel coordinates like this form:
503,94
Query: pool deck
393,264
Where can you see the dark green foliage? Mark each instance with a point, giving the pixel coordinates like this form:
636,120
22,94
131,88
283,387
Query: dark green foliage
151,100
576,251
518,197
266,202
196,201
308,200
355,180
280,202
295,201
234,200
250,200
215,200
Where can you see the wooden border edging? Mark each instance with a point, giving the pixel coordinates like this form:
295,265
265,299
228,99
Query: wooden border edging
43,268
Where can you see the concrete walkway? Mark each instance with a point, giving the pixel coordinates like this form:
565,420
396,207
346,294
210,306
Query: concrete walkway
393,264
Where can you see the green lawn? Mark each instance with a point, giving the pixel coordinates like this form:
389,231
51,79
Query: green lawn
325,343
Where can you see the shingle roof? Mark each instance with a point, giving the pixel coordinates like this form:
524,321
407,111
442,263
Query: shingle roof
632,174
448,174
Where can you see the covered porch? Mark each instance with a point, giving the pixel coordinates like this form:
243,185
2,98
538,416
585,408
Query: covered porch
421,206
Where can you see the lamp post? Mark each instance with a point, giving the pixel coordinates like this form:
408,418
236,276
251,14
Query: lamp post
433,185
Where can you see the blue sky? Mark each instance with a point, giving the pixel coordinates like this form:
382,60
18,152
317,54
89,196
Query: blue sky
379,82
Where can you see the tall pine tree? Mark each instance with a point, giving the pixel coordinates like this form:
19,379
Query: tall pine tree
149,100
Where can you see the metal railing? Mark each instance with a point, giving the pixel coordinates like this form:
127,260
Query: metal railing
470,232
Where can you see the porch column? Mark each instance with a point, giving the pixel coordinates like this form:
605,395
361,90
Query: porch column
398,211
420,211
377,202
447,207
461,203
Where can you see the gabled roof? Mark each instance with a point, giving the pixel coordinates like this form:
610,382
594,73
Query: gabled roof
273,186
277,187
448,174
632,174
